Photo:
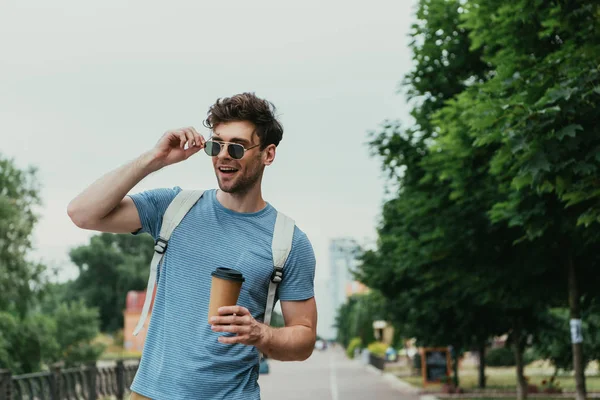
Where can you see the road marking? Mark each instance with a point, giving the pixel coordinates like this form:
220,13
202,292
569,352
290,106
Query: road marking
332,378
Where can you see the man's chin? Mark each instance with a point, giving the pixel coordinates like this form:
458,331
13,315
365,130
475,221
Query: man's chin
226,187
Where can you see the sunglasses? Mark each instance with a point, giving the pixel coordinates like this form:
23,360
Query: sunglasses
235,150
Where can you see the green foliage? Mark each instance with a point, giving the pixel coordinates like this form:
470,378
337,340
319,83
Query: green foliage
20,279
355,343
500,357
27,344
36,328
377,348
109,266
355,317
554,341
497,189
79,326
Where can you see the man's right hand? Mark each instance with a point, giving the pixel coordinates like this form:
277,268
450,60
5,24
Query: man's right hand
177,145
104,206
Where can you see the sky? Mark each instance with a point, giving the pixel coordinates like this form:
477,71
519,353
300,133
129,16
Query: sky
88,86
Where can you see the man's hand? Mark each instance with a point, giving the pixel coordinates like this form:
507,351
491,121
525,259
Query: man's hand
177,145
238,320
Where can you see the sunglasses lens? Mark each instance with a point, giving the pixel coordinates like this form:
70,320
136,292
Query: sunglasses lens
212,148
236,151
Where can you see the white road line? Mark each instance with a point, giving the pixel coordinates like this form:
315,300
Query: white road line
332,377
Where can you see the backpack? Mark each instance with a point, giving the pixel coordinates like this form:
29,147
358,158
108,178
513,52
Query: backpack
179,207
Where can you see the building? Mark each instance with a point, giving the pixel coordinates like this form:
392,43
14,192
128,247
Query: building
133,309
342,262
339,286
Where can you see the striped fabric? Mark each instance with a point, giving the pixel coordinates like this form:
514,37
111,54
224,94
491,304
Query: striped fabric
182,358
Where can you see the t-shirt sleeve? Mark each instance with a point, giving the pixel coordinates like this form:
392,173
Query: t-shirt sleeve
151,206
299,270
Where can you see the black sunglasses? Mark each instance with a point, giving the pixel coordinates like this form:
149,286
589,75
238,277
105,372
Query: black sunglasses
235,150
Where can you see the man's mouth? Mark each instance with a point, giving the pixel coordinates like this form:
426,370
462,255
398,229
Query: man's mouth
228,171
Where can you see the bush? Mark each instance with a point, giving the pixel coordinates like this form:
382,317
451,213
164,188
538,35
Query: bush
378,349
354,343
500,357
530,356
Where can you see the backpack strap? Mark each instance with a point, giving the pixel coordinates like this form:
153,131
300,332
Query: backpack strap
281,247
178,208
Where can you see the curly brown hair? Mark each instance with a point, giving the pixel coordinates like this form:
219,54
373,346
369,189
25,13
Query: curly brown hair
247,107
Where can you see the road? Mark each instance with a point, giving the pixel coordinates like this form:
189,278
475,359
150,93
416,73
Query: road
327,375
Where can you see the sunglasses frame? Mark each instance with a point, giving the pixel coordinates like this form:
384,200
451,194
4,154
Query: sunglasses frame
227,144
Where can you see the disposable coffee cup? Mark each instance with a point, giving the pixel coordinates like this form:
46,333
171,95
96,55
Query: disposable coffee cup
224,290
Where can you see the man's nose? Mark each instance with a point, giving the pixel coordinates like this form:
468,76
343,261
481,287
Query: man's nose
224,153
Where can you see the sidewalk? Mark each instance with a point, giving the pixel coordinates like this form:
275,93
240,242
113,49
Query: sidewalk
330,375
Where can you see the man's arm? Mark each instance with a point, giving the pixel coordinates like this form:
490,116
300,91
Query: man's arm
103,206
294,342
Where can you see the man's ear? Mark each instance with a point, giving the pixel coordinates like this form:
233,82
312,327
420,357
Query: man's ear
269,154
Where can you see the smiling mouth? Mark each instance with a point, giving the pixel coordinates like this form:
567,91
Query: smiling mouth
227,170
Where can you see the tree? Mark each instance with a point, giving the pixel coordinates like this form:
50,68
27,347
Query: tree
20,279
476,185
355,317
433,240
79,326
539,112
109,266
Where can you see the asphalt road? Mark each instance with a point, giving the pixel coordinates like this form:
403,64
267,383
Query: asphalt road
327,375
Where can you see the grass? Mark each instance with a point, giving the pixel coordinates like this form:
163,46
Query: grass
113,350
505,378
110,355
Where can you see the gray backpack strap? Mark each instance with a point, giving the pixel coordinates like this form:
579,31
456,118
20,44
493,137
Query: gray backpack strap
178,208
281,247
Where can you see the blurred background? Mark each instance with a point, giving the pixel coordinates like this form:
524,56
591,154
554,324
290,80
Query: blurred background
441,155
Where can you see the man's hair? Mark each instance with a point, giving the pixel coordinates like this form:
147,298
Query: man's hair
247,107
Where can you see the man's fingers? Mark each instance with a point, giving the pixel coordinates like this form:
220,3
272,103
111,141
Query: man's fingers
189,137
182,139
229,320
231,328
237,310
198,139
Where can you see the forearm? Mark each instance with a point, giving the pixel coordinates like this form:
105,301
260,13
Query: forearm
292,343
102,196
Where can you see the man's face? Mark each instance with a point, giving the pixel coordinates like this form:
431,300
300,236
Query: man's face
237,176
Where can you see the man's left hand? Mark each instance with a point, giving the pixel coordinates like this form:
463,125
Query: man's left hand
238,320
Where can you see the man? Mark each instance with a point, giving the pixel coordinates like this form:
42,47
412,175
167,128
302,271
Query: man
184,357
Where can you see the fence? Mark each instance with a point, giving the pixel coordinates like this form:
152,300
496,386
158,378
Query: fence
88,382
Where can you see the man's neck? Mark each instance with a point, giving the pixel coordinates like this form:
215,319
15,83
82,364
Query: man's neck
248,202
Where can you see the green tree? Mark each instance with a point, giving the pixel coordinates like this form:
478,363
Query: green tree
20,279
109,266
539,113
28,343
355,317
433,242
441,218
79,326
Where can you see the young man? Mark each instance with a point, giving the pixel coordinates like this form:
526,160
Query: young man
184,357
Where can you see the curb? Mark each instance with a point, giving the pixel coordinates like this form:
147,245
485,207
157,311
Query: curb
397,383
402,386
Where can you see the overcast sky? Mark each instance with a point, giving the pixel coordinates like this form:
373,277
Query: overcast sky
88,86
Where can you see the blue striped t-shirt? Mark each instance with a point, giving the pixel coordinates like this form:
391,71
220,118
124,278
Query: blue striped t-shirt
182,358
